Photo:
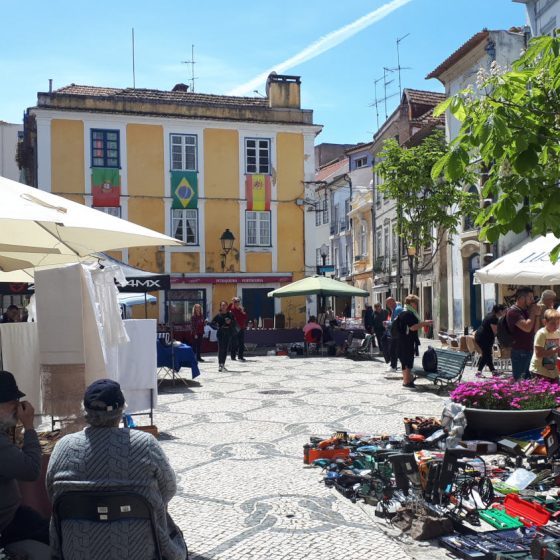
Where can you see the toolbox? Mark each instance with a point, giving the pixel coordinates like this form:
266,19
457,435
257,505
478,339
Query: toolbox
530,514
486,546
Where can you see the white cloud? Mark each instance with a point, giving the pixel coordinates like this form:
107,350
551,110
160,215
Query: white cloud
322,45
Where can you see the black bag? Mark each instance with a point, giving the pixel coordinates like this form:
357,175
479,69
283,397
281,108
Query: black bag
397,327
429,360
503,334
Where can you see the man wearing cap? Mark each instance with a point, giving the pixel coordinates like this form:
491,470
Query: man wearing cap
238,340
18,523
106,457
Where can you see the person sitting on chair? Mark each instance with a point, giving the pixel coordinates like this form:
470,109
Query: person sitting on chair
312,325
22,529
105,457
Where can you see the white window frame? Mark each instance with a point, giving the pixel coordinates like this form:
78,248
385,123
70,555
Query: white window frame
110,210
257,167
363,250
262,237
360,162
186,142
184,216
378,242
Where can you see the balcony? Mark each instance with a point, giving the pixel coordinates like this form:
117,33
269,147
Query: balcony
359,258
343,225
379,265
342,271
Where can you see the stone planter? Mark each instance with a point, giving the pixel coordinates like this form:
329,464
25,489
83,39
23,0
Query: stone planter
484,423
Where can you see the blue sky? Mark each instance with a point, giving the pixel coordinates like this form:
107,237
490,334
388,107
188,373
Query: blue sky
90,43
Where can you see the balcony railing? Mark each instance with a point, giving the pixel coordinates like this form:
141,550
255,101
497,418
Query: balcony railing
342,271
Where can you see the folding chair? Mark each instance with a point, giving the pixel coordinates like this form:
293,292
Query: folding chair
104,508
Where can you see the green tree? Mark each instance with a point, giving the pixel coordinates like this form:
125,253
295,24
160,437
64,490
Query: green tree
510,135
427,207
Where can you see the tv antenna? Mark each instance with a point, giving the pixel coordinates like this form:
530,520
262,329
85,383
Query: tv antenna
387,81
192,62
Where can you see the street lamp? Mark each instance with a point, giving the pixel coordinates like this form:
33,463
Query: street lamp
324,251
226,241
411,252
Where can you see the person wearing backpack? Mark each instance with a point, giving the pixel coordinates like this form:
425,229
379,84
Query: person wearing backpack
521,319
394,308
485,336
407,324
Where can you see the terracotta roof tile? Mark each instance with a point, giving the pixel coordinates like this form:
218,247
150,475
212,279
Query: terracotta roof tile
424,97
155,95
331,170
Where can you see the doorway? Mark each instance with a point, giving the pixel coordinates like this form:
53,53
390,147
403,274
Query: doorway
475,314
258,305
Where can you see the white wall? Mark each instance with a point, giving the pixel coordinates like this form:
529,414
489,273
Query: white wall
543,16
8,147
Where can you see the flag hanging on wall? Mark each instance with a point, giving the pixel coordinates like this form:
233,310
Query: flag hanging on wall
106,186
184,189
257,191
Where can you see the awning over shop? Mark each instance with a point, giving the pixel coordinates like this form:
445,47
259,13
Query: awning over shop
528,265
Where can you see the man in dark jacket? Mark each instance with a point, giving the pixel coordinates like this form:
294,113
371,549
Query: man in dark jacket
17,522
380,315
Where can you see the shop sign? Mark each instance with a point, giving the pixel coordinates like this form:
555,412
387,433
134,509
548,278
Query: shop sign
231,279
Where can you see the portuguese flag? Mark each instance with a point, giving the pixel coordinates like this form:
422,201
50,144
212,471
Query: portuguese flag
257,191
106,186
184,190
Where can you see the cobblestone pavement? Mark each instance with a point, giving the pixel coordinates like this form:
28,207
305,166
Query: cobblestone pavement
235,440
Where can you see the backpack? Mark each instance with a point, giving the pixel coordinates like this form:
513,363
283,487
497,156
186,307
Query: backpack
503,334
429,360
397,327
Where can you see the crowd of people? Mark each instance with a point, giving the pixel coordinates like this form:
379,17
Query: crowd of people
104,457
529,329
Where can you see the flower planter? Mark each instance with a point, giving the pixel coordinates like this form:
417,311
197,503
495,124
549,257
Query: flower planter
483,422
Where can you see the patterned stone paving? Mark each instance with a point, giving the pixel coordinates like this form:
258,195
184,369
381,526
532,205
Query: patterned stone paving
235,440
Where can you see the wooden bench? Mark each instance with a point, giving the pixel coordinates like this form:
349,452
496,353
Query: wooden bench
451,365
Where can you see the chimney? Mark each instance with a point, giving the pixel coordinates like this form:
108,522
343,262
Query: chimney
283,92
180,87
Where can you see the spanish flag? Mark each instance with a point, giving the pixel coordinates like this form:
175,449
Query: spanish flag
257,191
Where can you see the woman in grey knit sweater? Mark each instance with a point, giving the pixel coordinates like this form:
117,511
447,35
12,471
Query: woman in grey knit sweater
105,457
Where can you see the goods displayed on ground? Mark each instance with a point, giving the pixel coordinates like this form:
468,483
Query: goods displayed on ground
482,499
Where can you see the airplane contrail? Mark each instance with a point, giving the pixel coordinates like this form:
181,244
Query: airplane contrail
322,45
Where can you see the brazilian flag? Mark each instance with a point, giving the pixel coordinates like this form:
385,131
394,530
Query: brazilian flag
184,189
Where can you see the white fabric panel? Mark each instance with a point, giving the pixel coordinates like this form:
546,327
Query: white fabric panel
59,315
137,364
20,355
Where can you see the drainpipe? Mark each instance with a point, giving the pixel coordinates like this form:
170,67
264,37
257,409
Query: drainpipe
373,228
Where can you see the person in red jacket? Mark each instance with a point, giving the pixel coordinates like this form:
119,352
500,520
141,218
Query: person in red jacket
238,340
197,329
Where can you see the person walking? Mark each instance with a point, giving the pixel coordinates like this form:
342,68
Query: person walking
238,340
485,336
368,319
197,329
224,323
408,323
521,319
390,351
380,315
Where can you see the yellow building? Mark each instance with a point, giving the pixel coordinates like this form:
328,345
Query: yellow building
192,166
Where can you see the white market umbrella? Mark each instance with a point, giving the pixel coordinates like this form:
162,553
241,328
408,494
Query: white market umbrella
528,265
39,227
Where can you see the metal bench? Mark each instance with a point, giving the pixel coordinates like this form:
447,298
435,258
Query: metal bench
451,365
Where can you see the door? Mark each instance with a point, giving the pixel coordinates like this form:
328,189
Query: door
257,304
475,293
